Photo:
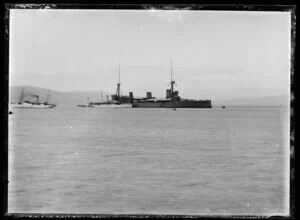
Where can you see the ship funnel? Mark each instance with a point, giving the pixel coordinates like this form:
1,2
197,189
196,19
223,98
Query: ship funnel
131,95
168,93
149,95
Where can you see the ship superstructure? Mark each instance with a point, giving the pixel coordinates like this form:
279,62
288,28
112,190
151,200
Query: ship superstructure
117,100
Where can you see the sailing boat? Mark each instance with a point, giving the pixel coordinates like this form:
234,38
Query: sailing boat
32,104
117,101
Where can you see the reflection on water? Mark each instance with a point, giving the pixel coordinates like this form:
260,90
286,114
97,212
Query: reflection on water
152,161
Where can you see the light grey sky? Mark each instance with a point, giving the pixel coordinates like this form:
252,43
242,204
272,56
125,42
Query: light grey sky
216,54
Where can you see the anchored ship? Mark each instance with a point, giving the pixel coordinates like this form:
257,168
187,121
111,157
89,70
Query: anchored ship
117,100
172,100
32,104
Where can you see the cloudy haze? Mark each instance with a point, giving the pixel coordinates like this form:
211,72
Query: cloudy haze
216,54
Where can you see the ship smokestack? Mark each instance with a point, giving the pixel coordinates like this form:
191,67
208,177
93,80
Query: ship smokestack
149,95
131,95
168,93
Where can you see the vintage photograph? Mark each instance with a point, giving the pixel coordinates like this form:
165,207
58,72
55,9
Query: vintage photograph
149,111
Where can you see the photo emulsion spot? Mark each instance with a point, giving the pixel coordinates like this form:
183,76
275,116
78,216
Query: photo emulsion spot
150,111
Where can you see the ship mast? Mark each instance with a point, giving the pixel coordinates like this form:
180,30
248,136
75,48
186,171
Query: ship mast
118,85
37,98
171,70
22,96
48,97
172,82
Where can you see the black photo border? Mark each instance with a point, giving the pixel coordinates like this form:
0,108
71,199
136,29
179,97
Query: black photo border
284,7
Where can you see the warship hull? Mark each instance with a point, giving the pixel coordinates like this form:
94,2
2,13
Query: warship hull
172,104
125,105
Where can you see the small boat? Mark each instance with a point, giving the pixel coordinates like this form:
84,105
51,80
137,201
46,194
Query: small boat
88,105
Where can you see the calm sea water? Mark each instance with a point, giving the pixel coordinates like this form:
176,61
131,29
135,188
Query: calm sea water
149,161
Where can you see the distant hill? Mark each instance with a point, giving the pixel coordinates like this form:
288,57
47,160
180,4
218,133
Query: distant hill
61,98
263,101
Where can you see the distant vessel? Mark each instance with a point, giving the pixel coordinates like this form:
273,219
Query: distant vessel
172,100
32,104
88,105
117,101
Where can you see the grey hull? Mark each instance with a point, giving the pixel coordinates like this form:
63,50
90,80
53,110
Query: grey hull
196,104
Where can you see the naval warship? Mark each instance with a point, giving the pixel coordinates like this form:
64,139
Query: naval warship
172,100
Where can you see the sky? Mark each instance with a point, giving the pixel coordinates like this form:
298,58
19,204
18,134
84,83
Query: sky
215,54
